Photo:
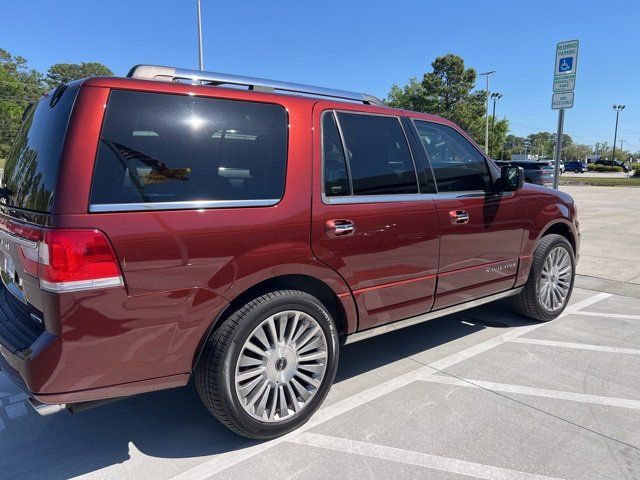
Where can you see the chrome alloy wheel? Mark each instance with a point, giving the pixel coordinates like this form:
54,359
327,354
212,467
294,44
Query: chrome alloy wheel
555,279
281,366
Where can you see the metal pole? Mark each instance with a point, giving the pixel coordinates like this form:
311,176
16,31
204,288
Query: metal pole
200,57
486,125
615,135
556,167
493,122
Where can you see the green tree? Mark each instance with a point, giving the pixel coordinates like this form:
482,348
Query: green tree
19,86
66,72
447,91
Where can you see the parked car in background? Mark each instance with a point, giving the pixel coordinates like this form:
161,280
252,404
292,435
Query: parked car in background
236,238
614,163
576,166
538,173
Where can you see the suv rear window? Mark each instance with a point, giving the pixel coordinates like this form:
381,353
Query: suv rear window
31,170
160,148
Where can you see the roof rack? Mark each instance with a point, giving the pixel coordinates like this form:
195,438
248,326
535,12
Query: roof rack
171,74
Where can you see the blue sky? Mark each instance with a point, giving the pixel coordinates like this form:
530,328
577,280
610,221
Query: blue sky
364,46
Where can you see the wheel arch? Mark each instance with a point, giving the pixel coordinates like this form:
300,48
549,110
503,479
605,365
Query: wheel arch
305,283
563,229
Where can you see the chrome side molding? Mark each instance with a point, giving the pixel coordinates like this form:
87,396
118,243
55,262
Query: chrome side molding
391,327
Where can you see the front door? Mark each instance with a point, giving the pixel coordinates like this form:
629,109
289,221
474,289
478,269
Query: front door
374,220
481,230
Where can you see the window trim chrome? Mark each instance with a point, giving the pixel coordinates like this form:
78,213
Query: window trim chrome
185,205
355,199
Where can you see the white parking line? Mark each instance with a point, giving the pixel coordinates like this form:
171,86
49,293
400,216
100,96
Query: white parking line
579,346
535,392
611,315
226,460
433,462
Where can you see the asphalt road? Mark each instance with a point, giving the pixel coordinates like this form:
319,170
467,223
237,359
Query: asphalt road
481,394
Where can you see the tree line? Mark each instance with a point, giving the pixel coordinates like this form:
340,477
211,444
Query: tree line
21,85
448,91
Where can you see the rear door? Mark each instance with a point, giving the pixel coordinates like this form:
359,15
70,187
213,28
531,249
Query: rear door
374,220
481,231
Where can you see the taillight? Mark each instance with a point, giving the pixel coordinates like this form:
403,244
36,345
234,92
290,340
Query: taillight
71,260
76,260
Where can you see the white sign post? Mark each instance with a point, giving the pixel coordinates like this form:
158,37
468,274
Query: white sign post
564,82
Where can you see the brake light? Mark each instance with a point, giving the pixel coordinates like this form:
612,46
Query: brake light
69,260
76,260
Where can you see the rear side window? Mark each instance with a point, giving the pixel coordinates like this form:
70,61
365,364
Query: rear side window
158,148
336,177
457,165
379,159
31,170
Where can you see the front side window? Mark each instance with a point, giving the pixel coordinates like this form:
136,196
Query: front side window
175,148
457,165
379,159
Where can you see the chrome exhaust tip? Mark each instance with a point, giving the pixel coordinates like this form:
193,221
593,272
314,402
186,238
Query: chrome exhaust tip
44,409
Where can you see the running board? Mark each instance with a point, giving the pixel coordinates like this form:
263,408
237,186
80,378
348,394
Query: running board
391,327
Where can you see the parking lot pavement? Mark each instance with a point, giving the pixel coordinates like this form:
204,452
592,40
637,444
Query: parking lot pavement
596,174
610,227
481,394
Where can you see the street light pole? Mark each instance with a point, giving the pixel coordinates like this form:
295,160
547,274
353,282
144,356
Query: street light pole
617,108
200,57
486,126
495,97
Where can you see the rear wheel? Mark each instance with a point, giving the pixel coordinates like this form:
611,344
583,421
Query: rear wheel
577,170
550,283
270,364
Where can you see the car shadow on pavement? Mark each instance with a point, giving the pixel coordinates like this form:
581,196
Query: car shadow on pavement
173,424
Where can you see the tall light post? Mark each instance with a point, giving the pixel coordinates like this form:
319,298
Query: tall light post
495,97
200,57
617,108
486,126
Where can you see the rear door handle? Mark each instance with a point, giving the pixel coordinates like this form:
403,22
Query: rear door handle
459,217
340,228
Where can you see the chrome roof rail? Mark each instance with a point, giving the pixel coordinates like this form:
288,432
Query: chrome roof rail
171,74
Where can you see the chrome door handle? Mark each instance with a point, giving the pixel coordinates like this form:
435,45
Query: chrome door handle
340,228
459,217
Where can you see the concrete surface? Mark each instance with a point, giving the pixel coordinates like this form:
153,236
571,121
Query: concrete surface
610,227
480,394
596,174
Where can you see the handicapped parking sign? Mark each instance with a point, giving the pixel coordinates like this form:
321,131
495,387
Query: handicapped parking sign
565,65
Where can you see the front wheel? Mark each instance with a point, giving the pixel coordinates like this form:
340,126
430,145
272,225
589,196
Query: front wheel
550,282
270,364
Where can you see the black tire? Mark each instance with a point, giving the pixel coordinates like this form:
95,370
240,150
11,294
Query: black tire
577,170
215,372
527,303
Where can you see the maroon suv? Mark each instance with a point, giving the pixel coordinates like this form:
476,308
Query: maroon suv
161,227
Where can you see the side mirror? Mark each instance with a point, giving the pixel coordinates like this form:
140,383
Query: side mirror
511,178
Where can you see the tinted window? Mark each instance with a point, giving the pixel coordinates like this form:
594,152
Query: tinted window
31,169
170,148
457,164
379,159
336,178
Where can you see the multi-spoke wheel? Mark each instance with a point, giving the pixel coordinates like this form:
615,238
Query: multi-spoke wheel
556,278
281,366
270,364
547,291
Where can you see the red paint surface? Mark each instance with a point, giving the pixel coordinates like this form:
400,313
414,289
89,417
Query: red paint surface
182,268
